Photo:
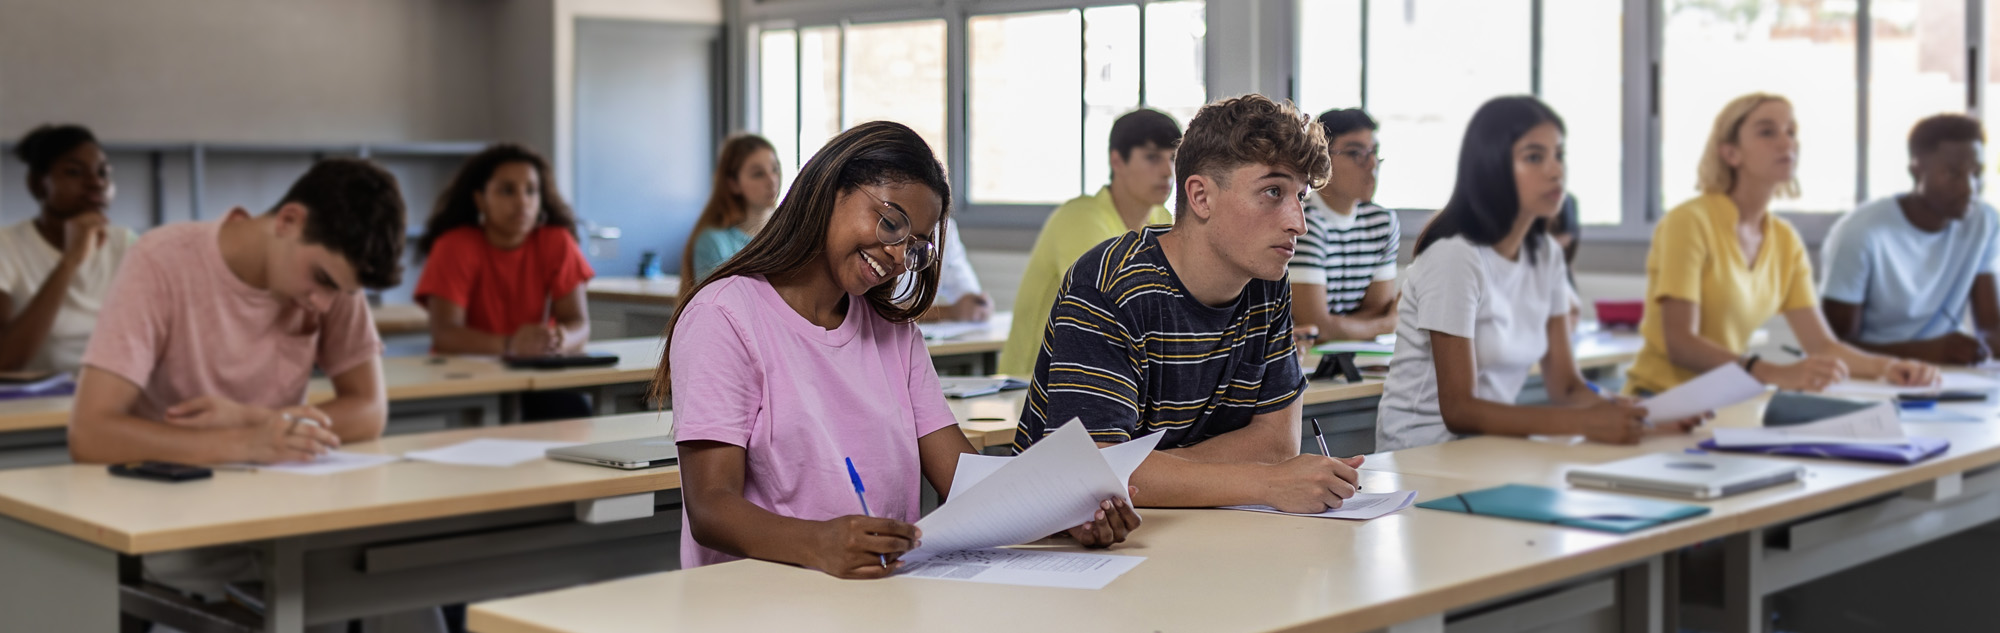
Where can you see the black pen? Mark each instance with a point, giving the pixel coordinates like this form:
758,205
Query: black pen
1793,351
1321,437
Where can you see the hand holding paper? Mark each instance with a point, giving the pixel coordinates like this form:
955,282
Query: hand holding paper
1720,387
1055,485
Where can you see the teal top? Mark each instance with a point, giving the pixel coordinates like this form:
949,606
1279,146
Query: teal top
714,246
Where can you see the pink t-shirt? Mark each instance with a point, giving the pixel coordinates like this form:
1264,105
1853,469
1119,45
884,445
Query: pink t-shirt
749,371
180,325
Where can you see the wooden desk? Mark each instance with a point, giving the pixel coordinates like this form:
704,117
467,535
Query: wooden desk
664,291
400,318
1841,515
1206,570
365,542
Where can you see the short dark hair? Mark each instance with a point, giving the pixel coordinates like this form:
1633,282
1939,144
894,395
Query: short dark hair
1251,129
1341,121
1939,129
354,208
41,147
1142,126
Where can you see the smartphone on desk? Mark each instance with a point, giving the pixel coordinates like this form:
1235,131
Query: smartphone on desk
161,471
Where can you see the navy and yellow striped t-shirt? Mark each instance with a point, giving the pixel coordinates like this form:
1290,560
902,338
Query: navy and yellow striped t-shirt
1130,352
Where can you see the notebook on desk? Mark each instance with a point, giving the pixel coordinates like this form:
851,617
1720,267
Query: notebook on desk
1570,508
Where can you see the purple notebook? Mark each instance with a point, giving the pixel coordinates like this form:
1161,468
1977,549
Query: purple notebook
1919,449
57,385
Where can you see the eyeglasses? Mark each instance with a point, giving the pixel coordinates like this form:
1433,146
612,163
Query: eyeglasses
894,228
1363,157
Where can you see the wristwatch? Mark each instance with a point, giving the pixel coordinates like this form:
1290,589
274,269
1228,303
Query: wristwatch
1749,363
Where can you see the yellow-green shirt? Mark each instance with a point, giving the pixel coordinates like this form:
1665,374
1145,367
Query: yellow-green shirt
1696,257
1071,230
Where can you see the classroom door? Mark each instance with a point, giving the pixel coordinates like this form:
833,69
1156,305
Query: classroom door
645,137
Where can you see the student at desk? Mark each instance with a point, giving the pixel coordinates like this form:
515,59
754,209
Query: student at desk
1901,271
1186,330
1344,274
1488,297
1722,264
796,355
1143,142
56,266
503,274
747,179
212,330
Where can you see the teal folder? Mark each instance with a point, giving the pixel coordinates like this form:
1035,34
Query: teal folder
1572,508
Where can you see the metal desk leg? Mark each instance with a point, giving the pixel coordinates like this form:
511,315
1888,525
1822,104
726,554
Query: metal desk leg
1642,597
55,583
1742,598
284,593
1428,624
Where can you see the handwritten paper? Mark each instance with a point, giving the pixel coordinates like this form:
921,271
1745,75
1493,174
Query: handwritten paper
1360,507
489,452
1720,387
1055,485
1031,568
332,462
1874,425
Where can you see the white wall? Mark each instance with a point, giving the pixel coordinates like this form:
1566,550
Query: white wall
250,70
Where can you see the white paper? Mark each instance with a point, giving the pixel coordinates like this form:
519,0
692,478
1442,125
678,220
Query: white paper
1952,381
1031,568
1874,425
498,453
1055,485
1723,386
331,463
1360,507
1358,347
1938,415
1124,458
950,329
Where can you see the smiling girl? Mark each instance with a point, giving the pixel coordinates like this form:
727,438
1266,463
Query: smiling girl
794,357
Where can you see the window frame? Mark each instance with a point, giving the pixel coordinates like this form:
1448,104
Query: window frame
1272,48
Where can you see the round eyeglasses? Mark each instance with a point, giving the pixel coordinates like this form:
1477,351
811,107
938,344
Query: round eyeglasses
894,229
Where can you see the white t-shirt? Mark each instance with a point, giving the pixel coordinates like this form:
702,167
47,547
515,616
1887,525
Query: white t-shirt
1462,289
26,260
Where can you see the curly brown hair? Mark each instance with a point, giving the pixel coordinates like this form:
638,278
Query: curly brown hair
455,206
1249,130
355,209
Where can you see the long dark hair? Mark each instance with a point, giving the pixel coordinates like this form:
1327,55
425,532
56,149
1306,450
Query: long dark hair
875,153
455,206
1484,202
724,208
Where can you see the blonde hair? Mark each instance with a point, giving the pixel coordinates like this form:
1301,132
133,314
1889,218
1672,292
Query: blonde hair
1715,176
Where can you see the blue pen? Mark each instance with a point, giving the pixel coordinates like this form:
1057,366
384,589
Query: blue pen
859,492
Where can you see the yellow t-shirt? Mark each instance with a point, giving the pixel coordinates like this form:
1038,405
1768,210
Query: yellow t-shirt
1071,230
1696,257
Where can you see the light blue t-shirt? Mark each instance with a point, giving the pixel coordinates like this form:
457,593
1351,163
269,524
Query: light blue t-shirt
714,246
1911,285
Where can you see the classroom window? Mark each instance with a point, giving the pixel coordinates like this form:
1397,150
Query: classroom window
778,87
819,89
1025,88
1801,49
895,72
1423,93
1917,69
1045,87
1582,43
1110,84
1329,54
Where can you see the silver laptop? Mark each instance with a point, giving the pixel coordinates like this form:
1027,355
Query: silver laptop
1687,475
645,452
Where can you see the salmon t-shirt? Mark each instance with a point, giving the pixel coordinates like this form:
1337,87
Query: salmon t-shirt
180,325
503,289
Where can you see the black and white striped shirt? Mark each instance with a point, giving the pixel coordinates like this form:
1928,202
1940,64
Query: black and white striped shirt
1346,253
1130,352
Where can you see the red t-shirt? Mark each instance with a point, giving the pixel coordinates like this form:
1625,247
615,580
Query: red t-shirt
502,290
